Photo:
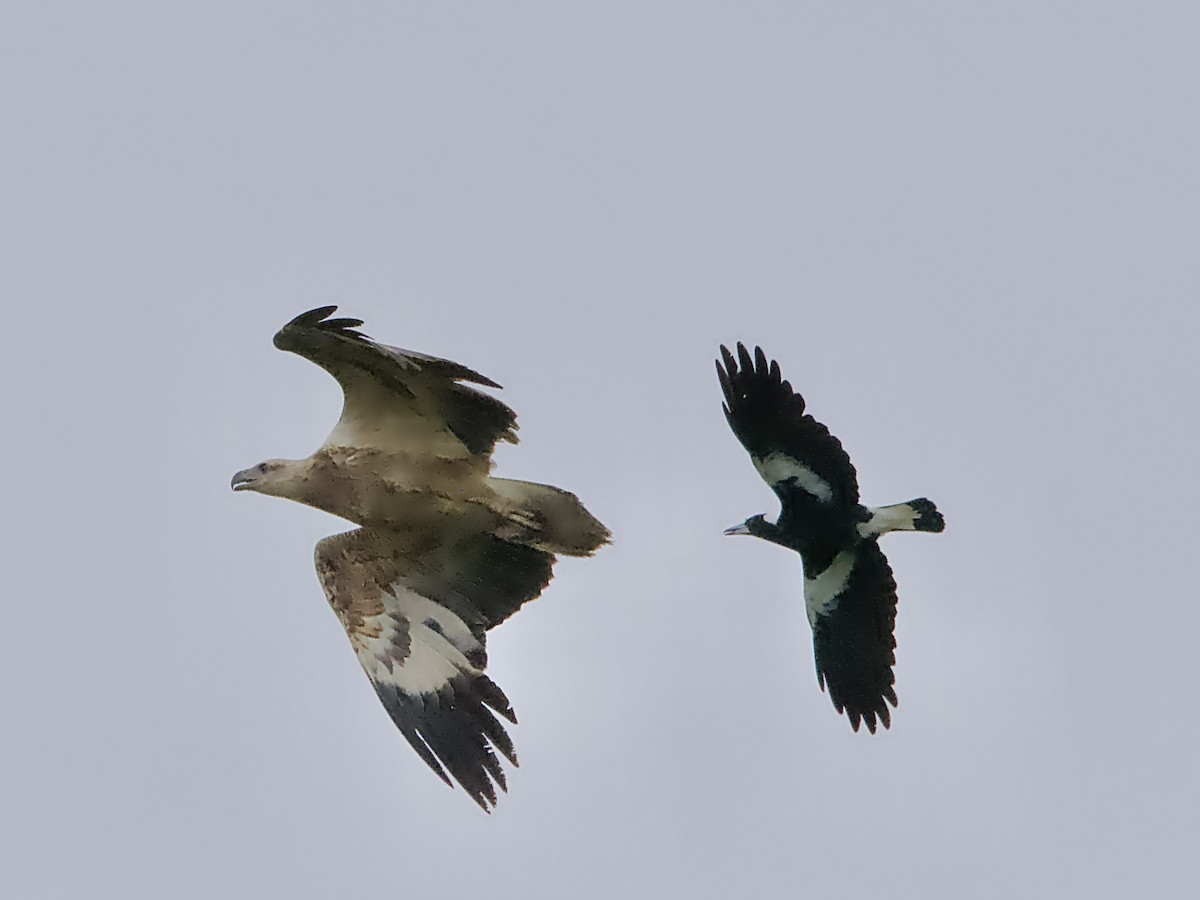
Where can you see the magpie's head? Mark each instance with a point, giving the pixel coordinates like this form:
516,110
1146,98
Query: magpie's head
758,526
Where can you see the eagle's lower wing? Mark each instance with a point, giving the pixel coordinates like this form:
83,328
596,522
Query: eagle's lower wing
851,606
425,662
399,400
789,448
481,578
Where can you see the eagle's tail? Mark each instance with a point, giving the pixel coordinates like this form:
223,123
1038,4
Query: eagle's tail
915,515
547,518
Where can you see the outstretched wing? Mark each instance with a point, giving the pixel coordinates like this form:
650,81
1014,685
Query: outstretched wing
398,399
481,578
790,449
416,608
851,606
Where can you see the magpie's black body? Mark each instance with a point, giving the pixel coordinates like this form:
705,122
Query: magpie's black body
849,591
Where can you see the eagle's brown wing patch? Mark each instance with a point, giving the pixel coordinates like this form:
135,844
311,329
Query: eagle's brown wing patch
414,613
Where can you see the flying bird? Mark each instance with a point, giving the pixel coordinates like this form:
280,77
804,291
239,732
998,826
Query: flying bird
443,552
849,591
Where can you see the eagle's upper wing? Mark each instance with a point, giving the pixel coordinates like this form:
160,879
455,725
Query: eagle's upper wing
789,448
852,609
415,608
398,399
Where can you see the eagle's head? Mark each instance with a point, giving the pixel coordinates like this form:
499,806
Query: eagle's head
274,476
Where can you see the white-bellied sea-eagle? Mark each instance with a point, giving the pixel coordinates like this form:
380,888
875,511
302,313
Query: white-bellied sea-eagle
443,551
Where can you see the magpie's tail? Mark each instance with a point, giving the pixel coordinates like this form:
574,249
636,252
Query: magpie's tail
915,515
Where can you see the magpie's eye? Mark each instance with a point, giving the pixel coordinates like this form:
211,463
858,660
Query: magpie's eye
262,467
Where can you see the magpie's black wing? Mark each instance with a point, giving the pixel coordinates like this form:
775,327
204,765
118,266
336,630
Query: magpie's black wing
851,606
789,448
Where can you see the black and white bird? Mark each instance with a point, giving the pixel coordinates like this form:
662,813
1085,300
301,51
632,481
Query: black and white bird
849,591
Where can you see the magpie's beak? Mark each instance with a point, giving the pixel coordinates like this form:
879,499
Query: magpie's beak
737,529
244,480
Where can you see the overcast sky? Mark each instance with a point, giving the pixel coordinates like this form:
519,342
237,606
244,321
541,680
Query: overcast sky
968,233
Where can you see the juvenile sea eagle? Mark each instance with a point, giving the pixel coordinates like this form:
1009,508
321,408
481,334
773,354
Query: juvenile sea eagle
849,592
444,551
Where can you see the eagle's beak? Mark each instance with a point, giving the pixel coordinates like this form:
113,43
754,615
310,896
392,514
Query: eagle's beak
737,529
243,480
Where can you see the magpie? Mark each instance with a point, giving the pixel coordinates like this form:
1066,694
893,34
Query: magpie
849,591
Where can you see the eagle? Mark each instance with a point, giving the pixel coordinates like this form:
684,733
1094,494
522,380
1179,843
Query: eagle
443,551
849,591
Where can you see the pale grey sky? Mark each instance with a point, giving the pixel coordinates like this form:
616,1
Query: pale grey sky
967,232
